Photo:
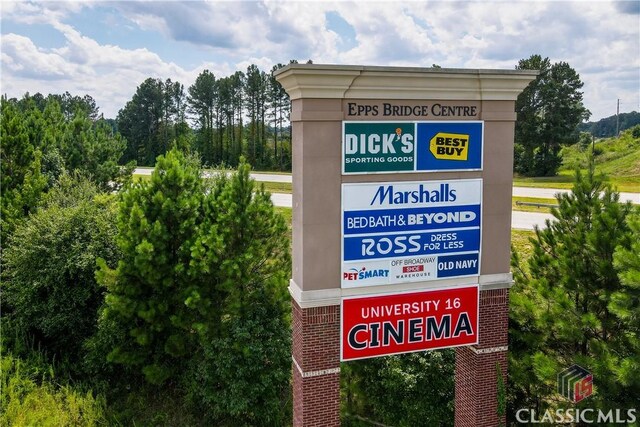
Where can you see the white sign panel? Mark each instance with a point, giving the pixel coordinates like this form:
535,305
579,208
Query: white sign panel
395,232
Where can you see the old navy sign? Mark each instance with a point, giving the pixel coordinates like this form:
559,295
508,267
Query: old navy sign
399,232
379,147
402,323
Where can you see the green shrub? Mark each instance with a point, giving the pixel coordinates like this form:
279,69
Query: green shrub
413,389
49,290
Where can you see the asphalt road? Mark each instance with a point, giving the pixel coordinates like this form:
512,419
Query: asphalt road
519,220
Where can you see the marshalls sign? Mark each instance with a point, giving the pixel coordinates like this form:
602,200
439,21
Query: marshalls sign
395,232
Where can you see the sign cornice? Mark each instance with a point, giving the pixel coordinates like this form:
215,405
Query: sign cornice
370,82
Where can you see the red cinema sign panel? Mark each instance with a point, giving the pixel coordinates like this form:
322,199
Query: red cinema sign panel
403,323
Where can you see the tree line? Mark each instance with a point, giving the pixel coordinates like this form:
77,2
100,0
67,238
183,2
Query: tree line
220,118
247,114
607,127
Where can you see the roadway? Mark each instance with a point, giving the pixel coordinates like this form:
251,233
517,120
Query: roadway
519,220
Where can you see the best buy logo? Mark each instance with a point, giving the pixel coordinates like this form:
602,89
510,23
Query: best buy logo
449,146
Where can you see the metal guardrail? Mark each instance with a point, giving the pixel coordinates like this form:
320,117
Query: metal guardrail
538,205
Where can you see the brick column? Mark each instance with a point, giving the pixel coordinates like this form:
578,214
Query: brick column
476,396
316,365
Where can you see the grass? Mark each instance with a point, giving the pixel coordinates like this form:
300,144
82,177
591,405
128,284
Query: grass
618,158
564,180
286,213
277,187
521,244
30,396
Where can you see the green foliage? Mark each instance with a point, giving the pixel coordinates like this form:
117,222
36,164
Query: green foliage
20,162
625,304
39,140
49,289
243,374
606,128
29,396
560,311
158,224
618,157
200,290
413,389
153,120
549,110
92,148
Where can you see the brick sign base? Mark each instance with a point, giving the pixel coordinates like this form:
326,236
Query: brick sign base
316,365
476,376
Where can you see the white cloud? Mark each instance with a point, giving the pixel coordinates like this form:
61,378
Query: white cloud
600,40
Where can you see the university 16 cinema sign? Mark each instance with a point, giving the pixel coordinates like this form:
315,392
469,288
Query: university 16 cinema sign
388,147
398,232
401,323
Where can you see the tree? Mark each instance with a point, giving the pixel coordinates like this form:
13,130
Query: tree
22,182
93,149
202,100
157,226
549,111
561,305
256,97
625,304
279,106
49,289
153,120
200,289
39,142
244,370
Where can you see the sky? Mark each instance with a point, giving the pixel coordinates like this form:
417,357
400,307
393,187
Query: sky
107,49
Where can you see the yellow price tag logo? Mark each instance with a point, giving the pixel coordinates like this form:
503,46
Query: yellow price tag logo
449,146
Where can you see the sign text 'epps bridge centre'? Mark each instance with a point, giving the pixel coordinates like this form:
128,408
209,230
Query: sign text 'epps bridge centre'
401,225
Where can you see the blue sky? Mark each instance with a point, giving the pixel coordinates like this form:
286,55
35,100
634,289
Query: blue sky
106,49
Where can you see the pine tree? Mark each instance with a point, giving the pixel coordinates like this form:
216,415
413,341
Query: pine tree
201,291
158,224
561,306
625,304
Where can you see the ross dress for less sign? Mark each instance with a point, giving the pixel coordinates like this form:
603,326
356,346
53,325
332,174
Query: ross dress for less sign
402,323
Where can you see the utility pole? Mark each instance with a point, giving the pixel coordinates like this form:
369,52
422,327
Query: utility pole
617,119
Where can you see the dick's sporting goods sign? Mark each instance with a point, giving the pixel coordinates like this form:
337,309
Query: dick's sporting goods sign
402,323
399,232
381,147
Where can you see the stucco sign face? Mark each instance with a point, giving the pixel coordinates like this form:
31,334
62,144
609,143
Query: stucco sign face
398,232
379,147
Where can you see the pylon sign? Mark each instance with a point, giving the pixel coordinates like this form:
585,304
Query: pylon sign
388,147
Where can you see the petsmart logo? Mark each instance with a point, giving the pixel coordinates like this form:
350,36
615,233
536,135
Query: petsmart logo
363,274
